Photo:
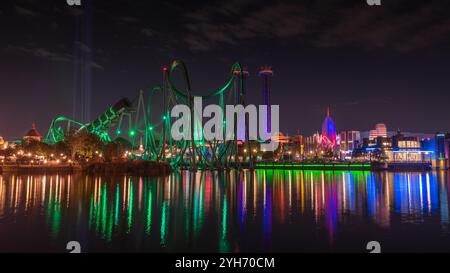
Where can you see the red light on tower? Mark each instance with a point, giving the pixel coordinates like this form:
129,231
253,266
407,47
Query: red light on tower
244,72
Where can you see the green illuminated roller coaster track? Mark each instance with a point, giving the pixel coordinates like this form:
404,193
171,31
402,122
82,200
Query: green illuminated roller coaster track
146,123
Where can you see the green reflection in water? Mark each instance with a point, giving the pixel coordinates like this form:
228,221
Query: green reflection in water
224,245
116,217
187,210
130,208
54,212
164,223
104,210
196,210
149,211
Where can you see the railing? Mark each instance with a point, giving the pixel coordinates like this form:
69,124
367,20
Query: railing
315,166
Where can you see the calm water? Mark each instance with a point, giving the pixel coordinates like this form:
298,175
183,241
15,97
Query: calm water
263,211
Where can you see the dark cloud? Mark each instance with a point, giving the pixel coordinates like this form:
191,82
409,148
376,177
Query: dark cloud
25,12
148,32
42,53
45,54
370,101
398,25
129,19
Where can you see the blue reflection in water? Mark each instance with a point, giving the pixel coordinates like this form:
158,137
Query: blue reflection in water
415,194
371,195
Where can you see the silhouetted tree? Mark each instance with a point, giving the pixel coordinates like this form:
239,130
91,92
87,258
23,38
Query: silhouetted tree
84,144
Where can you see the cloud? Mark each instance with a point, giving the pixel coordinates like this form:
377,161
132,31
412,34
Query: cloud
148,32
370,101
55,57
83,47
97,65
48,55
25,12
400,25
42,53
129,19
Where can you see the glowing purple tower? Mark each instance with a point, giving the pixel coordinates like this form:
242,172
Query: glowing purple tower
266,73
328,132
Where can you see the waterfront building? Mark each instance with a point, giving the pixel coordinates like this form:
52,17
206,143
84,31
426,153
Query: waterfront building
442,150
348,141
408,149
396,149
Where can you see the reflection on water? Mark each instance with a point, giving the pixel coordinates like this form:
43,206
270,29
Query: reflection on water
226,212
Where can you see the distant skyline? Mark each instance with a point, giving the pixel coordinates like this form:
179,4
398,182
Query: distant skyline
387,64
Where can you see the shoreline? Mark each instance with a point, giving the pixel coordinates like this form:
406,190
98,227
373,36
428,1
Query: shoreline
138,168
150,168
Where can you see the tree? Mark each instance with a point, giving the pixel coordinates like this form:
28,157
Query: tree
36,147
84,144
111,151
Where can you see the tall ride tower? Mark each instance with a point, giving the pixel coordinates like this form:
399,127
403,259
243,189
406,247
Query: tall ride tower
240,99
266,73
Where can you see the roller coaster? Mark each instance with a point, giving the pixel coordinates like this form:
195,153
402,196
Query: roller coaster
146,123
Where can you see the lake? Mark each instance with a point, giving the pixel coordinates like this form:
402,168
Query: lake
248,211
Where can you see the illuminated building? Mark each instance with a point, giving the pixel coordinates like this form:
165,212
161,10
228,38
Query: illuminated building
440,146
295,150
328,133
312,145
2,142
398,149
379,131
348,141
33,135
442,150
408,149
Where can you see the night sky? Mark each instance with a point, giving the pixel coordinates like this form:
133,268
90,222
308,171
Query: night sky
369,64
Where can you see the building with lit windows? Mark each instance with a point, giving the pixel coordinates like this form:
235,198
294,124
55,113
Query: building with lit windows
348,141
379,131
409,149
442,150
